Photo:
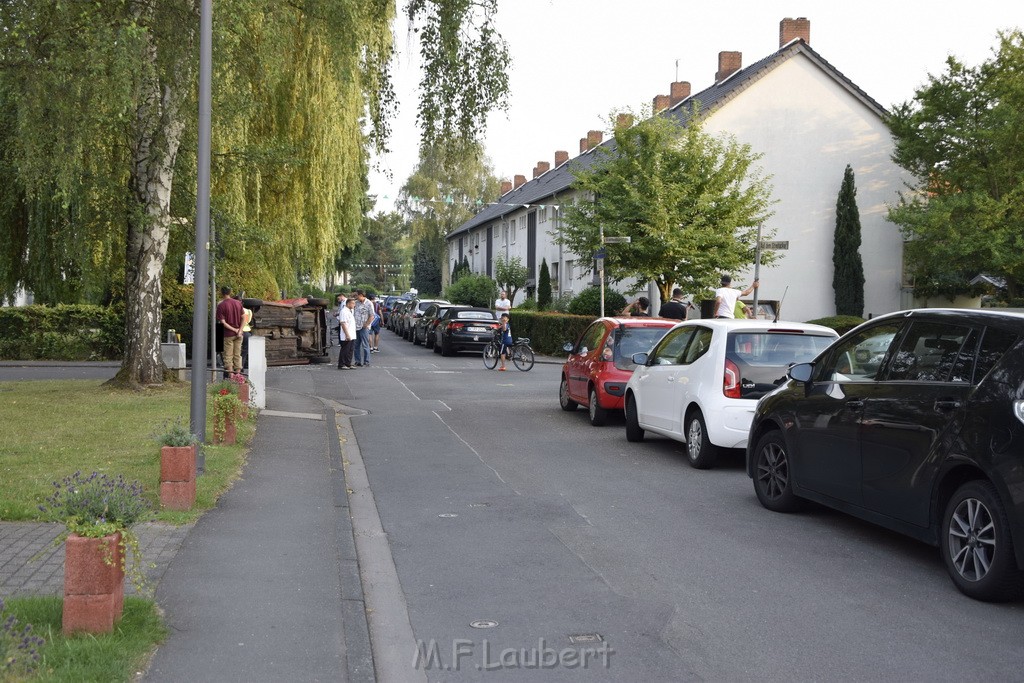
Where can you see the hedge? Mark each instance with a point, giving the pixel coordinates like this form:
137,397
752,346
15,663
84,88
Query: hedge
840,323
62,332
548,331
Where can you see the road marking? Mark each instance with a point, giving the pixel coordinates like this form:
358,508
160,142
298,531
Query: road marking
284,413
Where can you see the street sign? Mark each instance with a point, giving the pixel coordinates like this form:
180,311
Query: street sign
600,254
618,240
775,246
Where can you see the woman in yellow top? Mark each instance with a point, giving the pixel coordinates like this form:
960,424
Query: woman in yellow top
246,333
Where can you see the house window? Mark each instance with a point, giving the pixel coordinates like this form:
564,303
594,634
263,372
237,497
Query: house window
512,225
504,233
542,215
569,275
554,277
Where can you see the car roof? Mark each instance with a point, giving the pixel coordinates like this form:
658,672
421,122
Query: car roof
753,325
982,316
639,321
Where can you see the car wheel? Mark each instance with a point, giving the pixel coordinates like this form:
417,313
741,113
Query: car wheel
437,346
316,360
446,348
428,340
598,415
415,338
252,304
634,433
317,301
568,405
773,480
977,547
699,450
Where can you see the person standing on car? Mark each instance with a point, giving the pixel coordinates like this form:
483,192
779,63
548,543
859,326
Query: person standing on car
347,334
364,320
726,297
675,308
229,315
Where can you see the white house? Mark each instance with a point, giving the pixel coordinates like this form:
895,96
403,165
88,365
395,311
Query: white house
807,120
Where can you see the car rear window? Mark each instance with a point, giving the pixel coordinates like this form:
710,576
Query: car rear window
474,315
635,340
764,357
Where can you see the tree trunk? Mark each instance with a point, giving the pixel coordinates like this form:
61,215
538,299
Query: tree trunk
158,130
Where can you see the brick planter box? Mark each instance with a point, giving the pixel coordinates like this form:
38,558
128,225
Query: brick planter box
228,436
93,589
178,477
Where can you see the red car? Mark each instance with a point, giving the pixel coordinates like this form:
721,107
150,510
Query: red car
599,363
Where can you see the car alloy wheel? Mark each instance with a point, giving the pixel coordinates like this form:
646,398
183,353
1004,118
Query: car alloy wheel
977,547
564,401
699,450
598,415
773,481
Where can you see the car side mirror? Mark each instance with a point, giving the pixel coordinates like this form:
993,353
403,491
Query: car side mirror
639,358
801,372
568,347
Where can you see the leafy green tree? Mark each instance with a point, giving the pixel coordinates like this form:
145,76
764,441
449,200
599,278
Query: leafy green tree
382,253
461,269
511,275
848,276
962,138
472,290
544,286
690,202
97,128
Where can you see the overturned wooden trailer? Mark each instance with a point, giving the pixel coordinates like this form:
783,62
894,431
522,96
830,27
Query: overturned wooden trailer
297,331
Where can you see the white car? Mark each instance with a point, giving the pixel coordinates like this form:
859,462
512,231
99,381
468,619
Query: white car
701,382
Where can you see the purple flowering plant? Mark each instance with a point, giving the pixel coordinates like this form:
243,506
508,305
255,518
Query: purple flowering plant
19,648
98,505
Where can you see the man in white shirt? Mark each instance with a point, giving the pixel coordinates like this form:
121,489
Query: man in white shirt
502,305
726,296
347,334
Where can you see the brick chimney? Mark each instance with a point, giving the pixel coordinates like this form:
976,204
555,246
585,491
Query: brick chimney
506,186
623,121
594,138
561,156
679,91
728,64
520,180
583,145
661,103
541,168
790,29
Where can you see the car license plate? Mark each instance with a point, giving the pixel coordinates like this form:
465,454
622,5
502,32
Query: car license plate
476,329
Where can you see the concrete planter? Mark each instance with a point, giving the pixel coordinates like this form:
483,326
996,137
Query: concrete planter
228,435
93,583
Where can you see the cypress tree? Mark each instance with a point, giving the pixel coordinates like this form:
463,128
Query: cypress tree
848,276
544,286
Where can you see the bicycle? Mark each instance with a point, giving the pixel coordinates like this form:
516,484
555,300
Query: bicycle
521,354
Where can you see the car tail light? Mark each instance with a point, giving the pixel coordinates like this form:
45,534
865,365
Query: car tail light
731,384
456,326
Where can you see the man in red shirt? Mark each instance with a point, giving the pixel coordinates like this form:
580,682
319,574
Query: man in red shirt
229,314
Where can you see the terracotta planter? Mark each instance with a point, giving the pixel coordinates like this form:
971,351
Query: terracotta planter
178,477
226,437
93,589
243,394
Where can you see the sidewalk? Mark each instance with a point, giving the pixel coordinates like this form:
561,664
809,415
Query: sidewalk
265,586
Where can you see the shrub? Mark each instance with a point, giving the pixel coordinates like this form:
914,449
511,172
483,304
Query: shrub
588,302
62,332
472,290
527,305
548,331
840,323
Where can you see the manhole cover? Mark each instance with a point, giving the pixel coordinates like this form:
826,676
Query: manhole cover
585,638
447,514
483,623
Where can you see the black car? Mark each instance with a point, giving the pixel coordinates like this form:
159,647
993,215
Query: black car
423,330
914,421
464,329
413,312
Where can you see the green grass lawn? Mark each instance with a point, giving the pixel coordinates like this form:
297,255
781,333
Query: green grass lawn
117,656
54,428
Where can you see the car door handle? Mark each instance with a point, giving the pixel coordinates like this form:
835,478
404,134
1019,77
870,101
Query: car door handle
670,378
947,404
855,403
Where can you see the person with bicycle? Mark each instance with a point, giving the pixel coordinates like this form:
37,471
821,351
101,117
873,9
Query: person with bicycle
505,339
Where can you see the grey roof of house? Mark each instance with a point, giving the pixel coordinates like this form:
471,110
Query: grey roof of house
541,190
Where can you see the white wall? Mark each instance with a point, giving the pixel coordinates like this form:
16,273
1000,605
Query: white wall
809,128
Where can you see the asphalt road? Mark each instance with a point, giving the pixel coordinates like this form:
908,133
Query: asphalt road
499,507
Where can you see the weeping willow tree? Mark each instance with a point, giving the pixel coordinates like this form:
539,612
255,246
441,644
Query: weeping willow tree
97,131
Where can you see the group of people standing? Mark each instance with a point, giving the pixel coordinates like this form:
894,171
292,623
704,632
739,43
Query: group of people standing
358,329
727,303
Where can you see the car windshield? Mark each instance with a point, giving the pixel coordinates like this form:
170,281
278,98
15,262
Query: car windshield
632,340
764,357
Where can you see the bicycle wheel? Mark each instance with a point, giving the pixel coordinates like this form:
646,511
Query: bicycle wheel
491,356
522,357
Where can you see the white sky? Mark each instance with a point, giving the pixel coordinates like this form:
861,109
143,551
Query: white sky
575,61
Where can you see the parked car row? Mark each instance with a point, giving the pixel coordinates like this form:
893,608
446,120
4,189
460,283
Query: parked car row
440,325
913,421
